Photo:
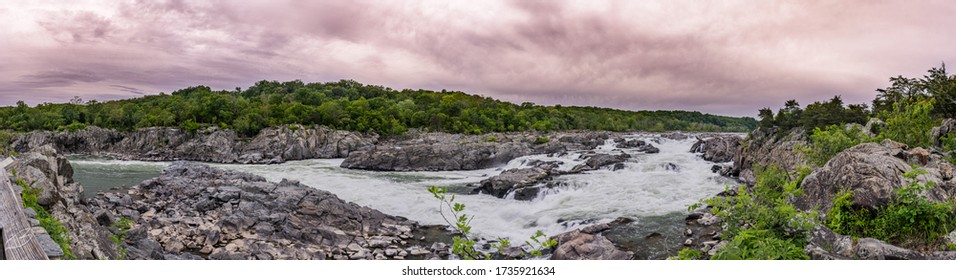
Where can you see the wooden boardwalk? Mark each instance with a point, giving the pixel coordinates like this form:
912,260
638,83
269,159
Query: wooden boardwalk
19,241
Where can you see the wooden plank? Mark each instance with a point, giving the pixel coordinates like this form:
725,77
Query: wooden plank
19,242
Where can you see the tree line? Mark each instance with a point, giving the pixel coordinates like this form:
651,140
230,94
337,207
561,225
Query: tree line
347,105
934,93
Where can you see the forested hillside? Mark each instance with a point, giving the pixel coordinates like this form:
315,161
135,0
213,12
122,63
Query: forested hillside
347,105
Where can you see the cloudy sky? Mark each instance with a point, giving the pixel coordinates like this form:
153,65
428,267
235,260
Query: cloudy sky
725,57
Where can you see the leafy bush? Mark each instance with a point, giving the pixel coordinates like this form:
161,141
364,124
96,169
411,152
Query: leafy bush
121,227
689,254
910,123
6,138
73,127
191,126
491,139
463,244
826,143
909,220
761,222
542,140
53,227
761,245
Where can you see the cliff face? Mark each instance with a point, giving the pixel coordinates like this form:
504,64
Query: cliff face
51,175
443,151
272,145
765,148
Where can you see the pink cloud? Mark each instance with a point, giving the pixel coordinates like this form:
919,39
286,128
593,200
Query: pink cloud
718,57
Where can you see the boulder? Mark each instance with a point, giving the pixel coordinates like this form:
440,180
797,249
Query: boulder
514,179
768,146
872,172
824,244
595,161
717,149
943,130
587,244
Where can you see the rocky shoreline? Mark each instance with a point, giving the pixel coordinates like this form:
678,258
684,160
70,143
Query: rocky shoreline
271,145
193,211
870,171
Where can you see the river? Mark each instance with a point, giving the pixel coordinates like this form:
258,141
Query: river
648,190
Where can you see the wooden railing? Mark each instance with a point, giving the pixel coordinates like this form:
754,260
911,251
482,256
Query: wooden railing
19,242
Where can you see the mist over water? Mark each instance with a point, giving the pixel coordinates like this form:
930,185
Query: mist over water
646,189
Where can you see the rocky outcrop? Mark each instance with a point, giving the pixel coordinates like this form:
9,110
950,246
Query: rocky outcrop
765,148
521,181
947,128
51,176
824,244
442,151
194,211
639,145
271,145
717,149
526,183
595,161
872,172
588,244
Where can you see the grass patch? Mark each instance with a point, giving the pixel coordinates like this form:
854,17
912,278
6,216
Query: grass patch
50,224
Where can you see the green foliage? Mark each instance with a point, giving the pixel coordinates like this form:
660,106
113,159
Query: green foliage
762,222
937,86
120,229
73,127
826,143
294,127
52,226
6,138
191,126
910,123
463,244
542,140
815,115
491,139
349,105
948,141
753,244
909,220
690,254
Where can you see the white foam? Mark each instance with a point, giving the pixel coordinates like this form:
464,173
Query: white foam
643,188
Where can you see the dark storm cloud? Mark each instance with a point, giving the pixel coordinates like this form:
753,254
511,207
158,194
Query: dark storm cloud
721,57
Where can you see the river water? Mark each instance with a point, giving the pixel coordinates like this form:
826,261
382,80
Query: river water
648,190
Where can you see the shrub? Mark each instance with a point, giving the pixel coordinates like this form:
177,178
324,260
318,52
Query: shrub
761,245
826,143
121,227
689,254
910,123
909,220
191,126
491,139
463,244
761,222
542,140
75,126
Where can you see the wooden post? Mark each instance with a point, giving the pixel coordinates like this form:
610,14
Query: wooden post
19,241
